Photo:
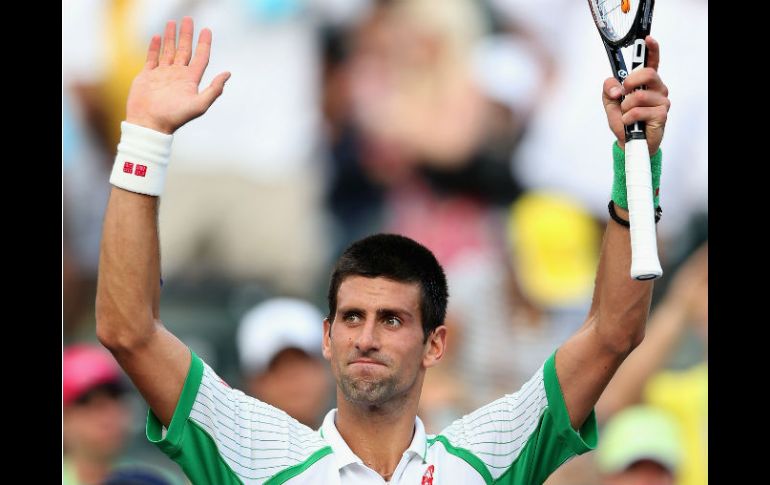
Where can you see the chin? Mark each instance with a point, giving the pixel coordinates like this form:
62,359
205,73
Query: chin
370,392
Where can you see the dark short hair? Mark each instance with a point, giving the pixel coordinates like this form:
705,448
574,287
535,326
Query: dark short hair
397,258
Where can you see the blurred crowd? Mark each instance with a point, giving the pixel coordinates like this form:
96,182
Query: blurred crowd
474,127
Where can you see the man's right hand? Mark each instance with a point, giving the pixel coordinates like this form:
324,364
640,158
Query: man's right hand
650,105
164,95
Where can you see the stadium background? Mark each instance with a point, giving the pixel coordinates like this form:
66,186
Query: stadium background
474,127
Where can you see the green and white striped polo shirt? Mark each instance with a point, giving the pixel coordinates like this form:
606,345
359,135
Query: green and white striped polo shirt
220,436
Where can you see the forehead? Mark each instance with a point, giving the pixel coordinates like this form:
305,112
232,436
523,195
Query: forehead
364,292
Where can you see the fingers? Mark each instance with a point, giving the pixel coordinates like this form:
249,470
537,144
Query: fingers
169,41
611,95
612,90
202,52
657,114
184,50
647,77
153,52
644,98
653,52
651,104
207,97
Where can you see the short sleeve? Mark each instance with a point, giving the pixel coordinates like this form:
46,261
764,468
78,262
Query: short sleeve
219,435
522,437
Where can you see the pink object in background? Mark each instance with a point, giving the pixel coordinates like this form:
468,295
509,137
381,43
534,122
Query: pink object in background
85,367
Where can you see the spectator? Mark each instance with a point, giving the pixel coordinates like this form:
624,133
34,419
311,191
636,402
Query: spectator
280,355
640,446
511,312
95,419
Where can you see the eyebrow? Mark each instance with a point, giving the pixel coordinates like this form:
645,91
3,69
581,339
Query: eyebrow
381,312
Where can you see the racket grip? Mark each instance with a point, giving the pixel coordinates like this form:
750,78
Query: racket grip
645,264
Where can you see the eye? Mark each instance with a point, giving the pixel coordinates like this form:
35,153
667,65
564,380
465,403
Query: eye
393,321
352,317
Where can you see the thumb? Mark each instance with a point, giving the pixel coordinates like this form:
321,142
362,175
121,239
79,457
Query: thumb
612,94
207,97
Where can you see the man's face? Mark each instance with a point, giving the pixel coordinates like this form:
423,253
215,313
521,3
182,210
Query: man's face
376,345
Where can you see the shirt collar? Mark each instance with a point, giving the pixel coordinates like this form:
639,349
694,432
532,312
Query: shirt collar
345,456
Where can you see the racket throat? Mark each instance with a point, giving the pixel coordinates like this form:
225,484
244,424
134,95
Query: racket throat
619,69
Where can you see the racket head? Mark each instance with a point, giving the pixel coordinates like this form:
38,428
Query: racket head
620,22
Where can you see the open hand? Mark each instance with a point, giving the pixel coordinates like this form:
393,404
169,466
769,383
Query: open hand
164,95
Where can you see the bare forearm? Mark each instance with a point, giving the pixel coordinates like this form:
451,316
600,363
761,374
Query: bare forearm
665,328
129,270
615,325
163,97
621,303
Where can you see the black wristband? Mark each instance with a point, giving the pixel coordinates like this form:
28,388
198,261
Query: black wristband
625,223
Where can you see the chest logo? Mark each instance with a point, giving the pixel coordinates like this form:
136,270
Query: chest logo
427,478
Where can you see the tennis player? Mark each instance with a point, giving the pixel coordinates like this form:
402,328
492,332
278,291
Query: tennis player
385,328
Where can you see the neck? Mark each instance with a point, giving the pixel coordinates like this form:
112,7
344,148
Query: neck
377,435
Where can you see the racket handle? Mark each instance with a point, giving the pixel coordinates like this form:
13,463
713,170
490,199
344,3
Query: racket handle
644,247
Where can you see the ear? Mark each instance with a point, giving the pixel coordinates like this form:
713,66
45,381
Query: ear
326,343
435,347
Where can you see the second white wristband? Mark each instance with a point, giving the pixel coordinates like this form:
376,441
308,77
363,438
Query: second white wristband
142,159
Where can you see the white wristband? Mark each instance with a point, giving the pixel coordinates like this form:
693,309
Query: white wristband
140,165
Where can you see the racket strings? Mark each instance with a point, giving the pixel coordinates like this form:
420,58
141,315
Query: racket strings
617,15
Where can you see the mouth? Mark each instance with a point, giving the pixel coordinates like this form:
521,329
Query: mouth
366,362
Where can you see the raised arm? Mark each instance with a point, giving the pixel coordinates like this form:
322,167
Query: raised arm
681,306
615,323
163,97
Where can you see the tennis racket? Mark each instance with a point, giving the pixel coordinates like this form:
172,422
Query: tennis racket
622,23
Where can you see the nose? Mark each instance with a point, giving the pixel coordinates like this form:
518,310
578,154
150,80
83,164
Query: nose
367,339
